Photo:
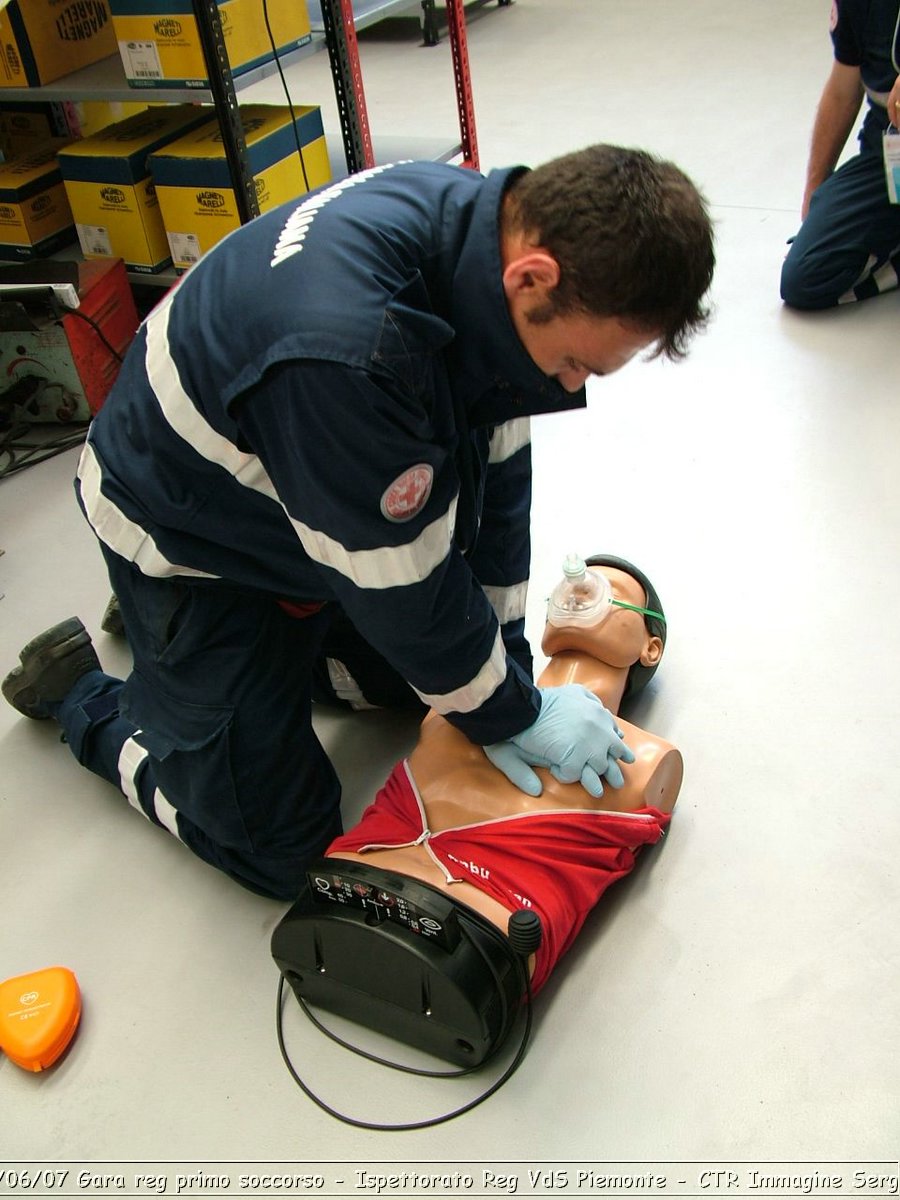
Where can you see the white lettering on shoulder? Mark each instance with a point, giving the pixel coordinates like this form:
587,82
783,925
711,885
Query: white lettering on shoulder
290,240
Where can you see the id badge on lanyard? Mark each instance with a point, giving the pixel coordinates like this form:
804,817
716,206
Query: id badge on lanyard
891,141
891,144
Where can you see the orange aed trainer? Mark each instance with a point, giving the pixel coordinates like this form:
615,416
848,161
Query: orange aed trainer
39,1014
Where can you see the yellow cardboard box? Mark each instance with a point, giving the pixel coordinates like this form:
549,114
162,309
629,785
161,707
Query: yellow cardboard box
194,185
160,43
35,218
87,117
42,40
110,191
27,124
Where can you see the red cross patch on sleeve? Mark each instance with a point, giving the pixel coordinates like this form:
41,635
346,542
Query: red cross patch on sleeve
407,495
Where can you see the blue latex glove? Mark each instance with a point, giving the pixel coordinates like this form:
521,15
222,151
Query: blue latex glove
574,736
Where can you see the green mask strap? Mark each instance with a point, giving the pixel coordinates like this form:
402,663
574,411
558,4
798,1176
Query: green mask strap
648,612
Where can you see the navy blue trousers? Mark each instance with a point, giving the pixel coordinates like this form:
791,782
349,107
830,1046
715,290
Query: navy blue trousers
211,734
848,248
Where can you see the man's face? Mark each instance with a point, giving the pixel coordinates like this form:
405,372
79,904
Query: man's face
574,346
570,346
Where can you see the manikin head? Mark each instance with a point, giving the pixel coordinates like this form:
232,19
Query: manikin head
625,638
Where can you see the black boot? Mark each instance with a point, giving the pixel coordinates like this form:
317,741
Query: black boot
111,621
51,664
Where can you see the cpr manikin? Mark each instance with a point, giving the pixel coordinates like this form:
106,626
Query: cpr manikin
449,818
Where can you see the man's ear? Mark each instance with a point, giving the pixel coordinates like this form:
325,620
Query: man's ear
652,652
533,271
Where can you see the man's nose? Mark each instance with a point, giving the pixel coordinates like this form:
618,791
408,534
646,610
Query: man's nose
573,379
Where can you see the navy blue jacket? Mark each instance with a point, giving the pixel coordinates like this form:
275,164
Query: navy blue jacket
866,34
332,405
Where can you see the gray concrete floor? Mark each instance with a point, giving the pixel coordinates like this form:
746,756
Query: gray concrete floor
736,999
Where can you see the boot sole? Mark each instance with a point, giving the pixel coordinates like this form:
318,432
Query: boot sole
61,641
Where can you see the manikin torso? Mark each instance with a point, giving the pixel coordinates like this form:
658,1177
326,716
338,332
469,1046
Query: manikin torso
458,785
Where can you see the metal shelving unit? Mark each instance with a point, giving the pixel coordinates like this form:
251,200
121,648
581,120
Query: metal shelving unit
369,12
338,21
336,33
105,80
340,37
334,30
366,12
430,25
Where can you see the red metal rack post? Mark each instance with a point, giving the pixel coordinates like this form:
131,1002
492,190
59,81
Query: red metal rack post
456,27
343,53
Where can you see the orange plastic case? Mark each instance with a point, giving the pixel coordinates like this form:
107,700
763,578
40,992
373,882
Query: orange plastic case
39,1014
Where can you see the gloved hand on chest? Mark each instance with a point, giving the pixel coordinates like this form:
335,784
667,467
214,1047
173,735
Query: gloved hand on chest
574,736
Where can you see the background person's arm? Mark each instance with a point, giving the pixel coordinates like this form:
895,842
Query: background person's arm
893,104
835,117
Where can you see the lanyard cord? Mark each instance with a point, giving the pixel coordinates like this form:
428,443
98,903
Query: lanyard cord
894,42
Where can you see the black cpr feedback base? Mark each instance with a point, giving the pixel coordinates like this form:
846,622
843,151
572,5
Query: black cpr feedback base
401,958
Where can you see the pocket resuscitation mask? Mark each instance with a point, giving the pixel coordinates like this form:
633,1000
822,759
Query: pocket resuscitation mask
584,597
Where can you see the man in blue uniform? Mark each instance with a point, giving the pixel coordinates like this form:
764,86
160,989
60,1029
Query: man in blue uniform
312,476
848,247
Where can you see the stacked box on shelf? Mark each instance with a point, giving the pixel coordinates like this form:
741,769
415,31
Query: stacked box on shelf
35,217
87,117
42,40
26,124
111,193
160,46
194,185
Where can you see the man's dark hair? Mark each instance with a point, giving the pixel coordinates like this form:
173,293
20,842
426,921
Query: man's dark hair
632,237
638,675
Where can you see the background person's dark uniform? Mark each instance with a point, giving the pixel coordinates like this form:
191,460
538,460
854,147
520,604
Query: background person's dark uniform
329,410
848,248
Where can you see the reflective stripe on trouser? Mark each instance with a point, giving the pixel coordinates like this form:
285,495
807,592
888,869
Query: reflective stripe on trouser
132,758
848,248
211,734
